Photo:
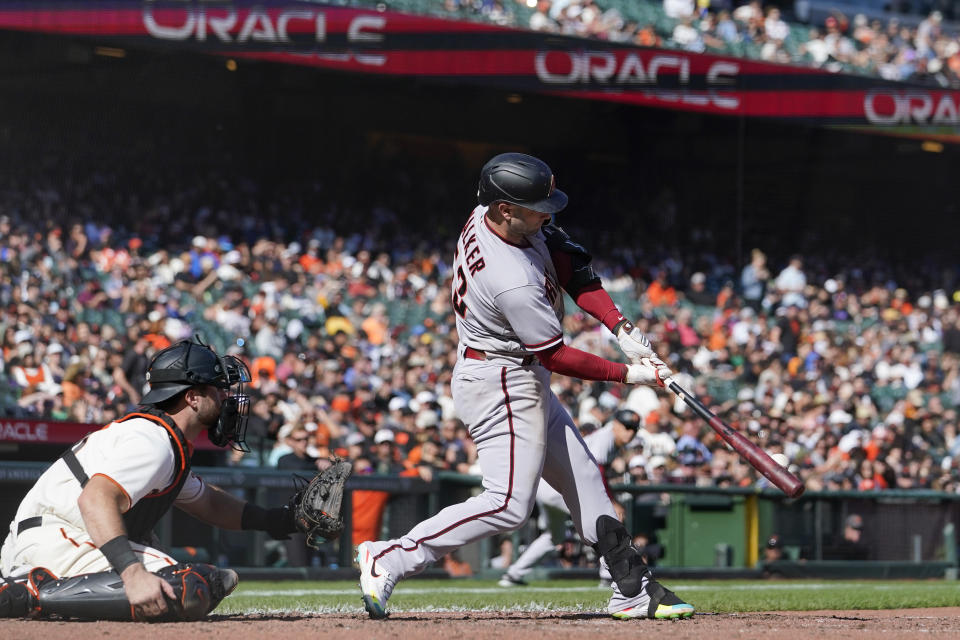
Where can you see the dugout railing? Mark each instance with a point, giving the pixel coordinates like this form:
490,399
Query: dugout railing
723,530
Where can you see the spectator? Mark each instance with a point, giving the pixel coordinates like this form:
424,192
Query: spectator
697,292
839,47
541,20
816,48
298,459
750,11
790,283
726,28
679,9
660,293
774,27
686,36
386,456
647,36
753,279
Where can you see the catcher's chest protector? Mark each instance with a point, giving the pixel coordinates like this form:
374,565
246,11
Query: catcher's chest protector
142,517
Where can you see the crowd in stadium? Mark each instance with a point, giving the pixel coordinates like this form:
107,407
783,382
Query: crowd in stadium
852,369
926,52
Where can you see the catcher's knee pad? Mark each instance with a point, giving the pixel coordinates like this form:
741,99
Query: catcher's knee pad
18,597
624,561
16,600
199,588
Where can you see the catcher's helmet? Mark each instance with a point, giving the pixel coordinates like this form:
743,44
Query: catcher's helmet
520,179
190,363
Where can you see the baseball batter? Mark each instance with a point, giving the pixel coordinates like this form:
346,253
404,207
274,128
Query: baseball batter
604,443
81,544
509,268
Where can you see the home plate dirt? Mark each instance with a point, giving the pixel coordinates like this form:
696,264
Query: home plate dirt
790,625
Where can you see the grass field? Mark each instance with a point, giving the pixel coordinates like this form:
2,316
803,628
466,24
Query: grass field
579,595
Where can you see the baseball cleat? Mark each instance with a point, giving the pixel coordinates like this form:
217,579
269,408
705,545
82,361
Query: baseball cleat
663,604
374,589
663,612
509,581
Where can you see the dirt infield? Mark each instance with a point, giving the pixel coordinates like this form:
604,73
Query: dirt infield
904,623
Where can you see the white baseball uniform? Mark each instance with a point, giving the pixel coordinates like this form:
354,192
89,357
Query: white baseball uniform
509,305
135,455
603,447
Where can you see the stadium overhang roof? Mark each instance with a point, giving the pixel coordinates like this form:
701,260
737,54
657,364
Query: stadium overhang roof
394,44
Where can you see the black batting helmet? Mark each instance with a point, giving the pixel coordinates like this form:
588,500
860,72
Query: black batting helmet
628,418
520,179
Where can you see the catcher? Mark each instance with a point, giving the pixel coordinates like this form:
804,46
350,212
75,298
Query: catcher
81,543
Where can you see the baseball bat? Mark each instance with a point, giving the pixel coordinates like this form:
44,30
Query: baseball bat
757,457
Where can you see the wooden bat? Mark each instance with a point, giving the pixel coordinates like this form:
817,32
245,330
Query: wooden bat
757,457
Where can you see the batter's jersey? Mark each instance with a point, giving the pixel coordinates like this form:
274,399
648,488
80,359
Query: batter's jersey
505,295
135,455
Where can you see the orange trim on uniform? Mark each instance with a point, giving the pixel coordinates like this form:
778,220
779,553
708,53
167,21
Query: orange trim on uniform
125,494
183,455
153,555
63,532
32,586
183,584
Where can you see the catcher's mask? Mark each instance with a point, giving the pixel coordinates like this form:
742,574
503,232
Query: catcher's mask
190,363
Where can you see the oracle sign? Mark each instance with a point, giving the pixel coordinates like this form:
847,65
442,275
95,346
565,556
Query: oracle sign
885,107
23,431
606,68
202,20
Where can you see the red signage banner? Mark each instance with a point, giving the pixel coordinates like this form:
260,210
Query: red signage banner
397,44
29,431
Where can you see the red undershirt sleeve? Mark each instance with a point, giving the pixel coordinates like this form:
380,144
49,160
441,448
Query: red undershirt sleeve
595,300
592,298
573,362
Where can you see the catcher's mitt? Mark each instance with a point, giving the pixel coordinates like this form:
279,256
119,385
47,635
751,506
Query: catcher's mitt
316,508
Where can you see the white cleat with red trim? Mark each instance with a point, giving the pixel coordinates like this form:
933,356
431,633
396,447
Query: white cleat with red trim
374,588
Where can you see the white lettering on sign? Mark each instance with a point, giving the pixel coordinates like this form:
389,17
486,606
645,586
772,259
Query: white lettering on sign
911,107
202,21
602,67
24,431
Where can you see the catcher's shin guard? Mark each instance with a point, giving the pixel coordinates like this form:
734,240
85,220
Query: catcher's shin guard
624,561
100,596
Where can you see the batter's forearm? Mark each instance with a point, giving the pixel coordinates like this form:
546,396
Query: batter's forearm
573,362
595,300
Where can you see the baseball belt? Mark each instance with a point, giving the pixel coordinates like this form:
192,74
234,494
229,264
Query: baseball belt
29,523
476,354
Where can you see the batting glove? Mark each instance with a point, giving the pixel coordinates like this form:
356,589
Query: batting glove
633,343
650,372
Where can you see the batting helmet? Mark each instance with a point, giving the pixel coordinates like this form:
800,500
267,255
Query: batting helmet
520,179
